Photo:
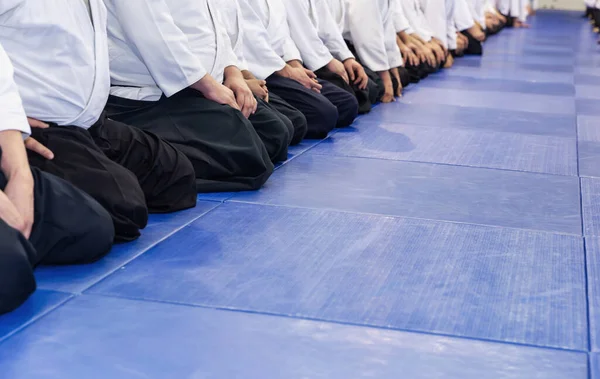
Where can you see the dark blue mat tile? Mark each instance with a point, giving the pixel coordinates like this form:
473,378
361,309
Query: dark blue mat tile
40,303
214,196
589,107
463,147
481,119
592,245
438,192
509,66
587,91
563,105
550,52
589,158
587,79
511,60
158,341
454,279
511,74
590,192
589,145
500,85
77,278
586,71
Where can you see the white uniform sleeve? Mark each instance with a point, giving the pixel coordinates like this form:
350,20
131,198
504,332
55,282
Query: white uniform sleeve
12,115
237,36
391,46
262,59
279,32
416,19
153,36
230,58
463,18
401,23
305,35
368,34
503,6
451,24
330,33
435,13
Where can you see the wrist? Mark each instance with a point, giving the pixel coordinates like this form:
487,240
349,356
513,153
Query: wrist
295,63
285,71
21,175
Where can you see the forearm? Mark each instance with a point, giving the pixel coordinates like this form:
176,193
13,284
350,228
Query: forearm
14,157
395,73
404,37
232,73
386,78
295,63
417,40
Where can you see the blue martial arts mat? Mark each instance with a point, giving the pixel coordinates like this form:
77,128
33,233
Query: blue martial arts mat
453,234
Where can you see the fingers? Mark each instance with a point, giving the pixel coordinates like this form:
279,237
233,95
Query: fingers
364,81
310,74
246,106
317,86
232,102
352,75
37,123
36,147
345,77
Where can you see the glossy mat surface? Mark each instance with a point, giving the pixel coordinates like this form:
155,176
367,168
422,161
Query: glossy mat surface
453,234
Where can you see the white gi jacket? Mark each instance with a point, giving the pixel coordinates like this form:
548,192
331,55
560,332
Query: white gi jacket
373,33
463,19
271,45
12,113
323,41
416,18
440,17
163,46
337,8
60,58
401,23
302,20
231,16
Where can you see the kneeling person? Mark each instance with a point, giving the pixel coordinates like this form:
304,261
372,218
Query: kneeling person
174,74
66,86
43,219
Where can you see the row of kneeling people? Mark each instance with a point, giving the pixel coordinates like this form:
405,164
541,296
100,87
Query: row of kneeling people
113,109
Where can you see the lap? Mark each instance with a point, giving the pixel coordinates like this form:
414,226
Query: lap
80,162
166,175
16,273
225,151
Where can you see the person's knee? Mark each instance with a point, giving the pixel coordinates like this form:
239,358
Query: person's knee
347,109
279,138
254,162
324,118
173,187
91,241
404,76
17,282
299,125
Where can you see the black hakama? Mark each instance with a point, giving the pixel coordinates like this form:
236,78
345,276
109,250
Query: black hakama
69,228
128,171
223,146
324,111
